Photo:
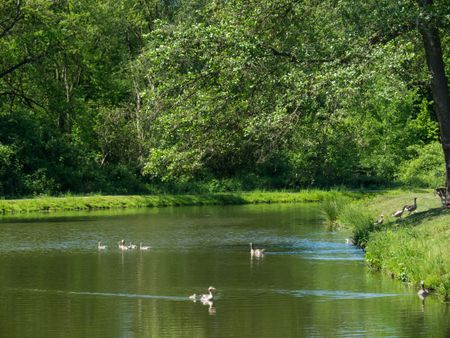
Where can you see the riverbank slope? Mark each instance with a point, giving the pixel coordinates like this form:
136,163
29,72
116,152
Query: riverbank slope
412,248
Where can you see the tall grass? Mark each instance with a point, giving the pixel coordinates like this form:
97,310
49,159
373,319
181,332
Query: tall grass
359,220
332,206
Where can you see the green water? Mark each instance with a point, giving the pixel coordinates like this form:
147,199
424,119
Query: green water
54,282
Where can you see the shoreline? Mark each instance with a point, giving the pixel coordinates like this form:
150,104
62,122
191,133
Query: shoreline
411,248
103,202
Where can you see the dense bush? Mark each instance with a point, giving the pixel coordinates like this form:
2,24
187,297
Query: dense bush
426,169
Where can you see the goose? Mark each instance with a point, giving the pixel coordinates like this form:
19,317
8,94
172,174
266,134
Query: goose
422,293
122,245
256,252
380,220
411,208
100,246
399,213
141,247
207,297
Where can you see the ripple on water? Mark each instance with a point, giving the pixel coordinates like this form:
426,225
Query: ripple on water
320,250
336,294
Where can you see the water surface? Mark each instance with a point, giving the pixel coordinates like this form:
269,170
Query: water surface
55,283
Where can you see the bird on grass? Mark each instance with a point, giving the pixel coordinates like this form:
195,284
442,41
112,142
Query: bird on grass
380,220
399,213
100,246
256,252
422,293
411,208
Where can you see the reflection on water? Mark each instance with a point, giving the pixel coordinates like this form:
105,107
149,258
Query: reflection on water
55,282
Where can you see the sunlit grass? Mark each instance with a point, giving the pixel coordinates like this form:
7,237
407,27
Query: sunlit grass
412,248
96,202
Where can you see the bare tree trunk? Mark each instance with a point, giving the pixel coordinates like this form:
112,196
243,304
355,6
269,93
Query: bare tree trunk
439,86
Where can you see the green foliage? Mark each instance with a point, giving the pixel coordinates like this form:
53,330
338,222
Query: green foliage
129,95
426,169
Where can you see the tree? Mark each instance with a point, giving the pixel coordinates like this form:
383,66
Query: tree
233,88
428,28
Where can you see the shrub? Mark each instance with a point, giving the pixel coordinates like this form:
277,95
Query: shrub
427,170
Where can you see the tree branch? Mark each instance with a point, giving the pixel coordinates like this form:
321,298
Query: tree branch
11,25
18,65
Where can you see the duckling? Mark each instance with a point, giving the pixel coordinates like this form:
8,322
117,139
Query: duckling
132,246
100,246
143,247
256,252
194,297
399,213
411,208
380,220
122,245
207,297
422,293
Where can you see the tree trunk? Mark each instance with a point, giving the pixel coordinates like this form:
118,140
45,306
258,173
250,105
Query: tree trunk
439,87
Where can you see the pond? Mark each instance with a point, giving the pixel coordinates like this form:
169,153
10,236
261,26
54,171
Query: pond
54,282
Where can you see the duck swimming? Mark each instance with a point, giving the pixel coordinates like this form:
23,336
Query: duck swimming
256,252
207,297
143,247
122,245
100,246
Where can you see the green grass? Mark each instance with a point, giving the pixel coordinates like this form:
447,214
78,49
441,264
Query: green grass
52,204
413,248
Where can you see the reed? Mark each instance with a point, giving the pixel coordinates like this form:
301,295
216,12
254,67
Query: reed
331,207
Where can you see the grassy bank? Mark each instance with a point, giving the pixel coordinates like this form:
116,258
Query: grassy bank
50,204
412,248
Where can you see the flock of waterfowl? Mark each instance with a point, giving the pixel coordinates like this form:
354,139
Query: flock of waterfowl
410,208
123,246
206,298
